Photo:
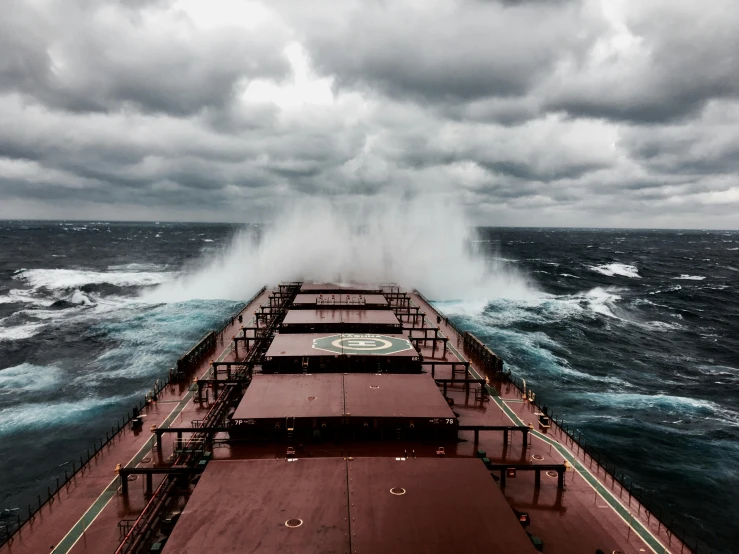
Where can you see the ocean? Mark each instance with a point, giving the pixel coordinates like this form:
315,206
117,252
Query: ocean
631,336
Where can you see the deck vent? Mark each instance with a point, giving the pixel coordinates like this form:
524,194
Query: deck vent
397,491
374,386
552,473
132,477
537,457
311,398
293,523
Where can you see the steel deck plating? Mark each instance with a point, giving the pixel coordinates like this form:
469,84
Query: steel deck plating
206,487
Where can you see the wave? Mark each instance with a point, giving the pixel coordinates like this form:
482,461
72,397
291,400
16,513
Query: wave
601,301
20,332
62,279
537,349
138,267
690,277
317,241
46,415
662,326
635,400
614,269
673,288
29,377
540,308
80,298
18,296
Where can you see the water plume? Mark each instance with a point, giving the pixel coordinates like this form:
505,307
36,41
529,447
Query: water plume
417,243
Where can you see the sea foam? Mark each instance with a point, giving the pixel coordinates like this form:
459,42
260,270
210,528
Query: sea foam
617,269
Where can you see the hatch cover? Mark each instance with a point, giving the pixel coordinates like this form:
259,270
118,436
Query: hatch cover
362,344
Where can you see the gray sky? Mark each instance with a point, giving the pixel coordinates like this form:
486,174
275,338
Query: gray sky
538,112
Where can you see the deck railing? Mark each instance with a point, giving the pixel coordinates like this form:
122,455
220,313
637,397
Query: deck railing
687,535
12,525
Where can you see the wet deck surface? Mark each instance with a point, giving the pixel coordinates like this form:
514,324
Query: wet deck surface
312,345
280,396
590,513
84,515
243,506
337,316
360,505
392,395
337,395
340,300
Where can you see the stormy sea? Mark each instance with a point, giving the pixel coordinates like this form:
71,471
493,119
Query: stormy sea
632,336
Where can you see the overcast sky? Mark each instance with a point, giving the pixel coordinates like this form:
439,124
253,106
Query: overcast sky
539,112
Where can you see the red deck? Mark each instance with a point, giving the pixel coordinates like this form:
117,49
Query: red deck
334,288
281,396
334,316
450,504
340,300
334,395
328,344
243,506
396,396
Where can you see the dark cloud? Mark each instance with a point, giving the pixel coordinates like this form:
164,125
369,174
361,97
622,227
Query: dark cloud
87,57
560,112
441,51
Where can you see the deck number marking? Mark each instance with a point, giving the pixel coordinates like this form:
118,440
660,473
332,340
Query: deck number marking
362,344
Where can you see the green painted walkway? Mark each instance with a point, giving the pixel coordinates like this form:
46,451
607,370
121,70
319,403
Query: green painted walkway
644,533
79,528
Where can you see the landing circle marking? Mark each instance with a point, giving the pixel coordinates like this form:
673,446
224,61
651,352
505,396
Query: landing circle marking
367,344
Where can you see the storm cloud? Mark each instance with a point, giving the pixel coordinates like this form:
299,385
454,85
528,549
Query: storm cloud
567,112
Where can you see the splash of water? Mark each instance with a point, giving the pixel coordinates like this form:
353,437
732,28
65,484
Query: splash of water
423,244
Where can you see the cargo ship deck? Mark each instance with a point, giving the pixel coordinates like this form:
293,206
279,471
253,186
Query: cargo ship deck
352,419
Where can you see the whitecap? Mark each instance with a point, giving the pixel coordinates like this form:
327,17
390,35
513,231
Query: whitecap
657,401
614,269
17,296
48,415
686,277
662,326
600,301
29,377
20,332
79,297
138,267
69,278
673,288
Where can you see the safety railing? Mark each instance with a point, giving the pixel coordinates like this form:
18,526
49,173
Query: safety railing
619,479
12,525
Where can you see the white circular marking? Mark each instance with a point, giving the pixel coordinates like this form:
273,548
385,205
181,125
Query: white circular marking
362,344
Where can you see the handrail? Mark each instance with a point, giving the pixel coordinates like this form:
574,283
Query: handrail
639,495
7,533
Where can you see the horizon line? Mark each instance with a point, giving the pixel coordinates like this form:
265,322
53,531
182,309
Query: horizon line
182,222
